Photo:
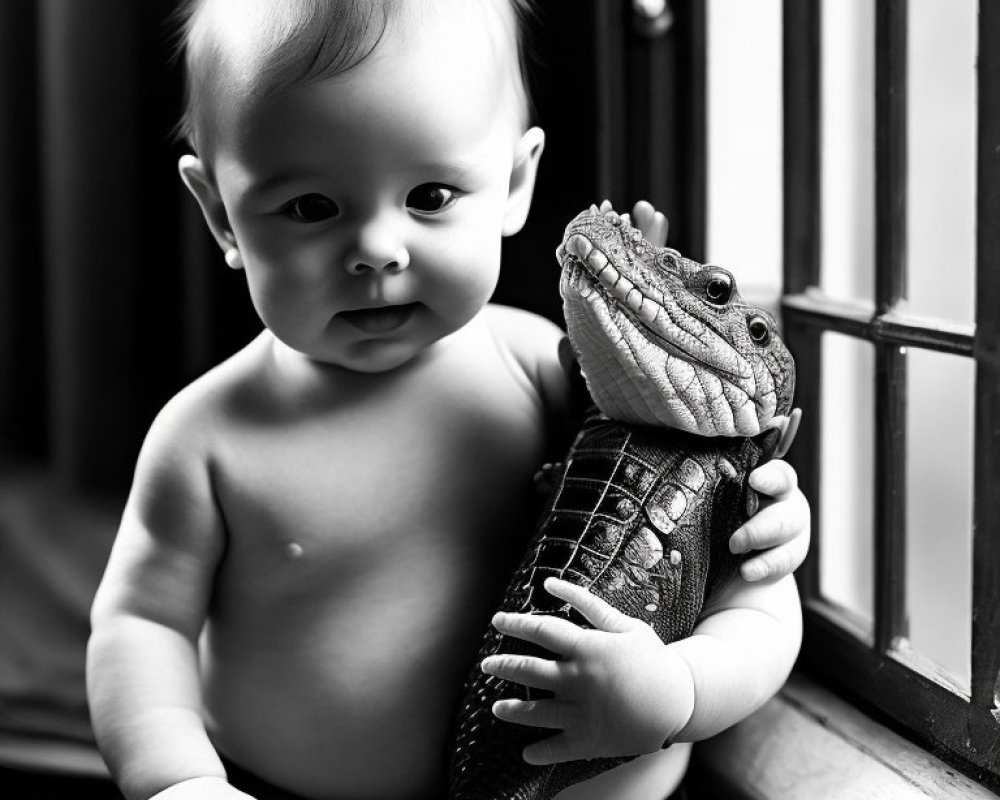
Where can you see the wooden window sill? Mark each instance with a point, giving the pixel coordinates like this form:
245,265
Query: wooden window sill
808,744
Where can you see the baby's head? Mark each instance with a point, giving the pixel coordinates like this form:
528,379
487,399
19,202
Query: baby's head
253,47
361,159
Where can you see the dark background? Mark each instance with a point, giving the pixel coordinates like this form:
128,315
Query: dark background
112,295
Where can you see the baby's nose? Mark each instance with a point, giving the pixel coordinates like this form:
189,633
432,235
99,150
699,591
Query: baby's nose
376,251
397,263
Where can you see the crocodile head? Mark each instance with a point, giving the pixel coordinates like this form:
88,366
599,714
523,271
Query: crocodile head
663,340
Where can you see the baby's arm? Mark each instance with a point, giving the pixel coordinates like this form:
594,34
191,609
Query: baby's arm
740,653
142,667
619,691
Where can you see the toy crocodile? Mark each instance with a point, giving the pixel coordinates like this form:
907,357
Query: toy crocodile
694,390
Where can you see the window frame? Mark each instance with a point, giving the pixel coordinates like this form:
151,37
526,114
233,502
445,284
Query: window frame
876,666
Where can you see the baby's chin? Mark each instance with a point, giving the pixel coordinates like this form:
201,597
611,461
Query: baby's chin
377,355
386,360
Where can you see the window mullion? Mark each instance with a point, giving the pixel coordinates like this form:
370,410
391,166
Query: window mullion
801,43
986,520
890,497
890,287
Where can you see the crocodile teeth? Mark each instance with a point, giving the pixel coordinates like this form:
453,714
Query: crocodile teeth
597,260
622,288
609,276
648,312
579,246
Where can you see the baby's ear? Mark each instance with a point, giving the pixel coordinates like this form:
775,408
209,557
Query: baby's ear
201,185
522,179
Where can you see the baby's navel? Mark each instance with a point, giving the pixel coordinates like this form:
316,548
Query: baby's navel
293,550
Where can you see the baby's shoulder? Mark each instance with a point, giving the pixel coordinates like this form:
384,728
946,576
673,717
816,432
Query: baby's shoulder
531,343
530,337
513,320
203,410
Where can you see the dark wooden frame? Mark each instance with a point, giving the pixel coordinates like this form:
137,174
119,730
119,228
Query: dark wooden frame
650,94
874,666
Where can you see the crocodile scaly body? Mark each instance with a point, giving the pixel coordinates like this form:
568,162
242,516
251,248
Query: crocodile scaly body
693,390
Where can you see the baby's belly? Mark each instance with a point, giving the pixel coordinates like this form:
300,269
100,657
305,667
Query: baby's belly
345,682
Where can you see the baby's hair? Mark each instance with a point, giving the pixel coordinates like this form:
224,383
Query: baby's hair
300,41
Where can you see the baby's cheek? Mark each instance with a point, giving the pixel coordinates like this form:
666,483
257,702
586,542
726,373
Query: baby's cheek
468,274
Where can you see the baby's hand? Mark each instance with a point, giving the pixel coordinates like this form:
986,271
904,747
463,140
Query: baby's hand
780,529
618,690
207,788
653,225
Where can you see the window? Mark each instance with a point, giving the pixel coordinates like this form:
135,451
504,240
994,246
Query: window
892,308
844,158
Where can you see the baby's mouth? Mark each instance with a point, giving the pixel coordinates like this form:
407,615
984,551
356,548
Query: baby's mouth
379,320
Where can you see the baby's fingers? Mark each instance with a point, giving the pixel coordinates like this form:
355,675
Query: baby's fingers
775,524
536,713
652,223
775,478
552,633
600,614
555,750
538,673
778,561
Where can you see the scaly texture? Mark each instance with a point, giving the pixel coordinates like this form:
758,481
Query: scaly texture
694,389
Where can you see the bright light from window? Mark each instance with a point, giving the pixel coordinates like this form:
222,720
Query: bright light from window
941,106
744,143
847,117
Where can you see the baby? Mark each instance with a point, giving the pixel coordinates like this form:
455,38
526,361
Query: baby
319,527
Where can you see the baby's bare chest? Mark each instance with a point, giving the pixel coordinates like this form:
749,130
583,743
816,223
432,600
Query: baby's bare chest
346,503
367,545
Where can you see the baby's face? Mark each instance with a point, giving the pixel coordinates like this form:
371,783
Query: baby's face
368,208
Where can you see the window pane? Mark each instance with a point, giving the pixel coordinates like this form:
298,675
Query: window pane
847,133
939,508
744,143
941,109
847,480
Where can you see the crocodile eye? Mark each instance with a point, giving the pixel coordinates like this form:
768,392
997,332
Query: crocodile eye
719,289
760,331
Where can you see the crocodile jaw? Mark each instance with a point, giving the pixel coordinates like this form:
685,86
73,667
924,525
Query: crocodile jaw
646,354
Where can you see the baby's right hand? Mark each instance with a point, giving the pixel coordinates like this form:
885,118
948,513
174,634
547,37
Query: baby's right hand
617,690
207,788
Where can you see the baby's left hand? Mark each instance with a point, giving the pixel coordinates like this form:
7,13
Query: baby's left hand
618,690
780,529
653,225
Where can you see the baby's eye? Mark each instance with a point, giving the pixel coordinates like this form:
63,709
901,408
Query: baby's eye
431,198
310,208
